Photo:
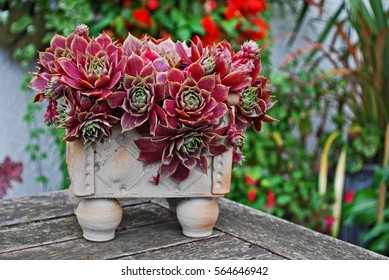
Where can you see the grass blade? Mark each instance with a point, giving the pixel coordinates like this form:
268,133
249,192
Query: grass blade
324,163
339,186
382,193
299,23
330,24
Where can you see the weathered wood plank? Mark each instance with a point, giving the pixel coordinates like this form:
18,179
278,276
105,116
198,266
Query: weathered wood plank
128,242
222,247
284,238
62,229
43,206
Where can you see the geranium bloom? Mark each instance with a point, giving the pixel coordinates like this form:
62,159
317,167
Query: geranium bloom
152,4
260,29
250,180
349,196
270,201
211,29
252,195
142,16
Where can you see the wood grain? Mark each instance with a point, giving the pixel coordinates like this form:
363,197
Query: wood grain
222,247
44,227
284,238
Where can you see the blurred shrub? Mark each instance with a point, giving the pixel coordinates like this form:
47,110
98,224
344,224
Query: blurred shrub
280,174
28,25
363,211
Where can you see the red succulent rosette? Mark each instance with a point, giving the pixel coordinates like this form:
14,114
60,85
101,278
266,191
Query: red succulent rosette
142,92
47,80
196,99
255,100
86,119
179,151
96,68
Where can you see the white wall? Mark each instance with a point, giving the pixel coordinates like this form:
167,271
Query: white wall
14,134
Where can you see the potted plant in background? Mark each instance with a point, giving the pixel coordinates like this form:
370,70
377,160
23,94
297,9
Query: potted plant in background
362,29
150,118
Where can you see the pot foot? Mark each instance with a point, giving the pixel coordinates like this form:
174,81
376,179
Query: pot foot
197,216
99,218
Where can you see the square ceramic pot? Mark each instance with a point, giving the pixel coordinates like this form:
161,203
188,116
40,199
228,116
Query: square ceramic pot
102,173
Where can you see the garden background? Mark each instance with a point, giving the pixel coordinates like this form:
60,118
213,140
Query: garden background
323,165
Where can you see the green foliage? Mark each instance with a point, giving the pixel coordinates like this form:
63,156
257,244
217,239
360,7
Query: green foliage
283,159
363,211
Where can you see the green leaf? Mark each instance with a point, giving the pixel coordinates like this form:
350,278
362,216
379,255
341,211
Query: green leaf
375,232
354,162
21,25
363,209
183,34
283,199
381,244
229,27
299,22
42,179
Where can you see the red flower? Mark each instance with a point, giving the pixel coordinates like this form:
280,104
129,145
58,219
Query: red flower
329,222
270,201
238,8
142,16
232,9
152,4
248,180
253,6
212,32
260,31
349,196
252,195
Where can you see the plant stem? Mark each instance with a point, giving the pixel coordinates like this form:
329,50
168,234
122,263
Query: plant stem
382,193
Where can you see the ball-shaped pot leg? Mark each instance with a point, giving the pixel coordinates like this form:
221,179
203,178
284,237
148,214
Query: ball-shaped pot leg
99,218
197,216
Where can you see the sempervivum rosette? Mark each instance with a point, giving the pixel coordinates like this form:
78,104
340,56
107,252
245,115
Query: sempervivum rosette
142,92
90,121
96,67
47,80
188,103
255,100
179,151
196,99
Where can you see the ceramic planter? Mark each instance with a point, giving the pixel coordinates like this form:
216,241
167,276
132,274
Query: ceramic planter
100,174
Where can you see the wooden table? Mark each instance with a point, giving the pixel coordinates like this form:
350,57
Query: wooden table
44,227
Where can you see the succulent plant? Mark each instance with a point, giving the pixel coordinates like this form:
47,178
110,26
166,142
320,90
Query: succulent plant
182,150
255,100
142,92
90,121
197,99
177,96
45,81
96,66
